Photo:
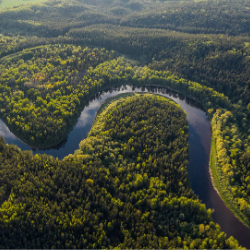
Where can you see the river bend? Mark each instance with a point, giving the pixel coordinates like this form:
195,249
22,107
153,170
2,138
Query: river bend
199,152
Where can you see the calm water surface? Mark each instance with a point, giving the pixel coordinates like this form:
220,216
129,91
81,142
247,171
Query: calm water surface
199,145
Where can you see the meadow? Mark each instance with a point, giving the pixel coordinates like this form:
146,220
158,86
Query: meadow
11,3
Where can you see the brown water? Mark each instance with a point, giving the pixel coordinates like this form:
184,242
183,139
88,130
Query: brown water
199,152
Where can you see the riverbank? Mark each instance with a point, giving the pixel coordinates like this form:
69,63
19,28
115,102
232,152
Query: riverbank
217,178
115,100
92,95
221,187
199,151
135,162
44,146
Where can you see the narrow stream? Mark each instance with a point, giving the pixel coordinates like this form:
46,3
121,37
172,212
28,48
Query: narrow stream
199,144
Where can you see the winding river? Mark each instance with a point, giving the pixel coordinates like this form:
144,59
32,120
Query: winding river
199,145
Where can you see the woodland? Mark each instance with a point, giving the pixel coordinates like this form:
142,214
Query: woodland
55,56
126,186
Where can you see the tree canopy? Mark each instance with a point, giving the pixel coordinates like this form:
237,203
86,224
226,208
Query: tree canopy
126,187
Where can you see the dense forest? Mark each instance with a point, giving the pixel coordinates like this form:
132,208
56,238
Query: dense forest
44,88
55,56
126,187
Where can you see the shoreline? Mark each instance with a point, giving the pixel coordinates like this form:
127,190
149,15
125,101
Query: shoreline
218,188
212,168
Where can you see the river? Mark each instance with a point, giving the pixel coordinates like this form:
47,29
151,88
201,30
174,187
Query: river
199,152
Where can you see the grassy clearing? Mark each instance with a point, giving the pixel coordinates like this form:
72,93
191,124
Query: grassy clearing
220,183
11,3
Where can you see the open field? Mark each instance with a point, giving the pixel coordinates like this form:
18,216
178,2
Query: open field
11,3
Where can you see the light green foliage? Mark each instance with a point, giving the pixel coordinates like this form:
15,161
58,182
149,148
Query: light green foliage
43,85
89,200
198,48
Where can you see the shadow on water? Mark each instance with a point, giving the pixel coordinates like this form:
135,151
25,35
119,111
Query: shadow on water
198,168
202,186
199,151
57,147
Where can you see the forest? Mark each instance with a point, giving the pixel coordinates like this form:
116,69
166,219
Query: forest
56,55
126,186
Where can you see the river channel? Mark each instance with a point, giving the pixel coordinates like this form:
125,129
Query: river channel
199,152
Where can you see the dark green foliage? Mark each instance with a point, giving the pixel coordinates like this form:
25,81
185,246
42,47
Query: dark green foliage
43,89
112,200
220,62
216,17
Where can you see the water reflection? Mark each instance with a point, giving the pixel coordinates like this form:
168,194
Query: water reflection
199,151
5,132
86,119
57,147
